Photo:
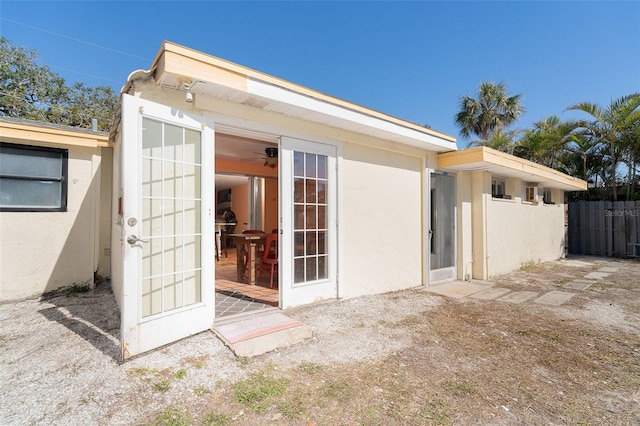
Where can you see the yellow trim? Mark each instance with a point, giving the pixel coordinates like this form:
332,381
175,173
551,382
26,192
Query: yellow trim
183,61
26,133
492,157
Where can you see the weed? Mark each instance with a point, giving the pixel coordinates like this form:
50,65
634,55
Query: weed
162,386
244,361
141,371
310,368
528,266
556,337
180,374
76,289
434,414
292,408
258,391
457,388
339,390
215,419
201,390
172,417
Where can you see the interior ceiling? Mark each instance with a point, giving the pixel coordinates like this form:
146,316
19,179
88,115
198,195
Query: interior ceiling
238,148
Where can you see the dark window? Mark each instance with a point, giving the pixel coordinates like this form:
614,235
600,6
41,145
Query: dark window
33,178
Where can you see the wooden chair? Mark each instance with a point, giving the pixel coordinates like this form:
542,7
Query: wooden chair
258,249
269,257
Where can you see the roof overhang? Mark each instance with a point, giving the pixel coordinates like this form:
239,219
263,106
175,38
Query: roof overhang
27,131
505,165
182,68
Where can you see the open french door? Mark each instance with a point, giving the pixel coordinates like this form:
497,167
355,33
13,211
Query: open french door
167,181
308,243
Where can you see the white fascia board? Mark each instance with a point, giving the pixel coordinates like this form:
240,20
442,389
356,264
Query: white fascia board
406,135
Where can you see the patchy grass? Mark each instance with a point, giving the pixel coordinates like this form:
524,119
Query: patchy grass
172,417
310,368
201,390
259,391
162,385
215,419
179,374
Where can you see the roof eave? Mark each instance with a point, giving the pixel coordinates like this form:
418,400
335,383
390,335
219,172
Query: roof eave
187,66
506,165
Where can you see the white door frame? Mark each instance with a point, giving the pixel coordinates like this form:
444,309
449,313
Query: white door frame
292,293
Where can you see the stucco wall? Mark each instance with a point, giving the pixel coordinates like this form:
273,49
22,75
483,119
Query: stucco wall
519,233
381,221
45,251
505,234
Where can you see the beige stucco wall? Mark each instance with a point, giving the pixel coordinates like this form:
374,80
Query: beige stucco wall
504,234
45,251
381,221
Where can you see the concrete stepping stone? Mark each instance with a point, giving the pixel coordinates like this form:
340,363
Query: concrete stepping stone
577,285
597,275
610,269
458,289
490,294
518,296
555,298
580,280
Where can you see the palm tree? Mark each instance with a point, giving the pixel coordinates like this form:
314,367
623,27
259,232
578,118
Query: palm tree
616,128
547,142
491,111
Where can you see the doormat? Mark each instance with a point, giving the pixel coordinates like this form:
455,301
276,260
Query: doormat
261,334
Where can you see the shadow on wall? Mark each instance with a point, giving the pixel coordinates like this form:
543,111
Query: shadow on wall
75,264
93,315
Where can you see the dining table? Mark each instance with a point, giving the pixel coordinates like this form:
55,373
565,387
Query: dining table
247,243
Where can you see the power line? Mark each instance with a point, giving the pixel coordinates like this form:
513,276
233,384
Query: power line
86,74
76,39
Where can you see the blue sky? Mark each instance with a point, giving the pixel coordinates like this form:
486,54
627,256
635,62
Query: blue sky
412,60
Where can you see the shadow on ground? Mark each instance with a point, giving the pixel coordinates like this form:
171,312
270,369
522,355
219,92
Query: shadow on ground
93,315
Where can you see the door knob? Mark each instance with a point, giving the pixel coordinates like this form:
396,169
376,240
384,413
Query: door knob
132,239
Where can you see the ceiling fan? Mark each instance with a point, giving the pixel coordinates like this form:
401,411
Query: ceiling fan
270,157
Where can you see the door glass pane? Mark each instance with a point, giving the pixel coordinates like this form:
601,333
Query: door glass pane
171,217
311,216
442,221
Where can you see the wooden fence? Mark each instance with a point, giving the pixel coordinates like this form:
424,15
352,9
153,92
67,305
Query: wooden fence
604,228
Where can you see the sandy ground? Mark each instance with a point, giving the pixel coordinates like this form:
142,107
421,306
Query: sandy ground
59,362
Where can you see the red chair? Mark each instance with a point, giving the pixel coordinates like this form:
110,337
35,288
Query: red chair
270,257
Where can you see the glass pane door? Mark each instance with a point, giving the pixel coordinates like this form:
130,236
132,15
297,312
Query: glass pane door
171,197
310,217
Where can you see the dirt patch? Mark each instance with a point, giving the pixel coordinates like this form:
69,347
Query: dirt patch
408,357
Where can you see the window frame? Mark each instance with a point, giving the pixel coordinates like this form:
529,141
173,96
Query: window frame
64,158
494,183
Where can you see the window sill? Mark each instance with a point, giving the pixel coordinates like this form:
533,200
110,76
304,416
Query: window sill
504,200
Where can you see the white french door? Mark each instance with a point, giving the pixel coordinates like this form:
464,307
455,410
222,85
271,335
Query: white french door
308,243
167,181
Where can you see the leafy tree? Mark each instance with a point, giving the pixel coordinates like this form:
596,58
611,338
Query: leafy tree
34,92
85,103
616,128
493,110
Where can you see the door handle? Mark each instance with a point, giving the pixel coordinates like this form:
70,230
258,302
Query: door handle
132,239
